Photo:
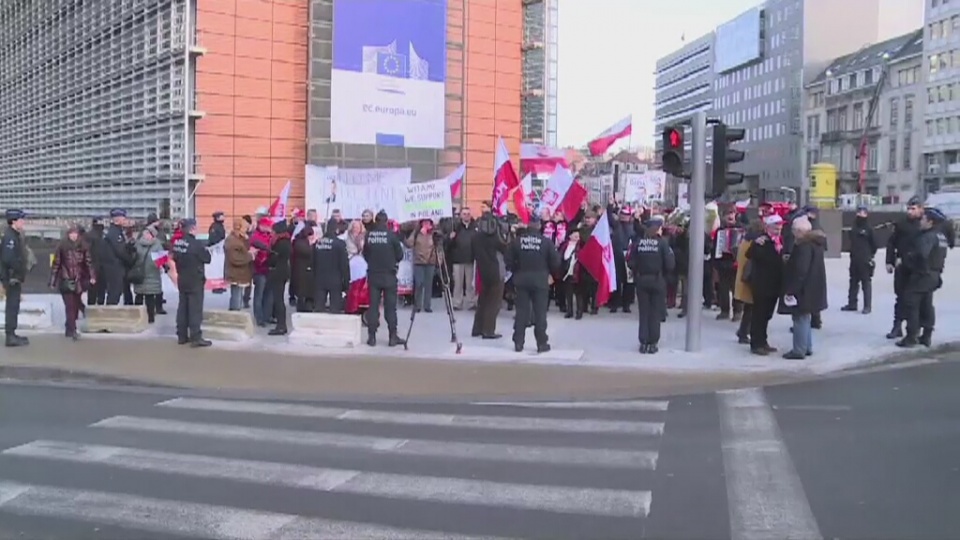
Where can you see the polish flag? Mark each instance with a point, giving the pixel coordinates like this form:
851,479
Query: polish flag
160,258
563,194
596,256
278,210
614,133
520,199
741,206
505,179
539,159
456,180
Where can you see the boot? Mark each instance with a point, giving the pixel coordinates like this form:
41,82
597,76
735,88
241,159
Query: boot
736,316
926,337
518,347
849,307
652,348
544,348
278,332
14,341
395,340
722,316
644,348
200,343
371,338
896,331
866,310
908,342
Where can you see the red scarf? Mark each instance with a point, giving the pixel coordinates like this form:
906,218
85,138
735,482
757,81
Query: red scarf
778,243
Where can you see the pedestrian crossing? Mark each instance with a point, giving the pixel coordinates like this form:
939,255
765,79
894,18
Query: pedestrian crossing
262,470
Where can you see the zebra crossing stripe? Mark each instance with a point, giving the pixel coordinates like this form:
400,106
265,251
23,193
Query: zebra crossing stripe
189,519
634,405
601,502
504,423
592,457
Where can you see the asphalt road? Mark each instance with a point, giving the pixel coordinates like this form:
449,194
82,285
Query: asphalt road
866,456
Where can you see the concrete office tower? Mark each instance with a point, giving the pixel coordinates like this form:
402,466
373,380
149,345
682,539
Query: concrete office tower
765,56
540,35
837,103
941,77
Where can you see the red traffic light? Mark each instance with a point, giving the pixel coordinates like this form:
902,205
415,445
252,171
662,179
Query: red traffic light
675,138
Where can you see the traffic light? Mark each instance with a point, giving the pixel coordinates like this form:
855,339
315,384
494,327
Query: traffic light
673,150
723,156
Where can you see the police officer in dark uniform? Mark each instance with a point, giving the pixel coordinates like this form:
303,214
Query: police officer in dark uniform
898,247
863,248
532,259
331,270
190,256
13,272
651,260
383,253
924,264
116,257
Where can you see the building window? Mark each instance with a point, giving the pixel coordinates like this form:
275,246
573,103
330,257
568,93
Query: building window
934,62
868,77
842,119
858,116
894,112
892,158
907,148
872,157
908,112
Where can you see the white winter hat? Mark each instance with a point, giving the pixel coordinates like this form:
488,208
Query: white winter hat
262,211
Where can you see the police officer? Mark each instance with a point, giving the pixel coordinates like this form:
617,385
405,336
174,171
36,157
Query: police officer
331,270
190,256
532,259
651,260
898,247
13,271
863,248
924,263
116,257
383,253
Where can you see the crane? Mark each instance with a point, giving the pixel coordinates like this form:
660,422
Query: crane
871,112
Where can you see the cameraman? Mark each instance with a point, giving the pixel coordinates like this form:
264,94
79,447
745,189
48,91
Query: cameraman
423,242
489,246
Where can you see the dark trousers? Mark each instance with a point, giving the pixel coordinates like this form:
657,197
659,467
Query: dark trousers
651,304
744,330
279,306
624,295
382,286
708,285
152,302
900,276
861,277
12,311
919,312
532,303
190,316
760,315
328,299
97,294
726,281
72,302
114,282
488,308
128,299
574,297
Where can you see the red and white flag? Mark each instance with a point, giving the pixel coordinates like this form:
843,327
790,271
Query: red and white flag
505,179
160,258
603,142
563,194
278,210
742,206
539,159
456,180
596,256
521,198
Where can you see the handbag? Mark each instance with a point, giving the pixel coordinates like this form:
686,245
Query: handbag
136,275
68,286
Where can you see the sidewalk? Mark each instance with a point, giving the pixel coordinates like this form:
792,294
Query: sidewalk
598,353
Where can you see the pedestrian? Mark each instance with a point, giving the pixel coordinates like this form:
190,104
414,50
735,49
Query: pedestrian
741,289
71,273
651,260
763,273
488,246
924,264
331,269
863,249
383,253
261,240
574,297
301,271
424,246
94,238
238,264
533,260
117,258
14,267
460,248
190,257
899,244
278,276
805,285
150,285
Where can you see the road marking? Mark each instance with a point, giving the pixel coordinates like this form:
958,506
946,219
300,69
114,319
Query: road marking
764,492
410,447
504,423
189,519
601,502
813,408
636,405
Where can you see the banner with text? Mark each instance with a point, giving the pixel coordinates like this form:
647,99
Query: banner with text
354,190
643,187
388,82
426,200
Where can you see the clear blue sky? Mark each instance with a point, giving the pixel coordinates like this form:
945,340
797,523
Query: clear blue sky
608,53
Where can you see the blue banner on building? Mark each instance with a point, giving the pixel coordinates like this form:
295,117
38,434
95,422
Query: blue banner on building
389,72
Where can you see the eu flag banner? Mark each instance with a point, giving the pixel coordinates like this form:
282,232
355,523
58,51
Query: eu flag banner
389,72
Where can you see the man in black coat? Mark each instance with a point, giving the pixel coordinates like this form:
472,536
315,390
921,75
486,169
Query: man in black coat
863,248
489,246
899,246
279,274
191,257
462,260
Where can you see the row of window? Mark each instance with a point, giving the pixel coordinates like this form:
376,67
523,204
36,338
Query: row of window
943,29
945,60
906,162
753,113
756,70
903,77
844,158
937,3
943,93
947,125
852,81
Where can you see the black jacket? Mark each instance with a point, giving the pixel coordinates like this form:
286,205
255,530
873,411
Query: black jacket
805,275
331,263
485,249
301,278
216,234
13,257
116,252
382,250
765,268
279,259
863,245
191,257
460,247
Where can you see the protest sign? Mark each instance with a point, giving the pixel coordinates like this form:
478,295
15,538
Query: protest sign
354,190
426,200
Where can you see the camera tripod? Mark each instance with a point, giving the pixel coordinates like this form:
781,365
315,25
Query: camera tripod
445,292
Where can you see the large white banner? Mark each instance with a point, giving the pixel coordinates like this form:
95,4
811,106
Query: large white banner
643,187
354,190
388,84
426,200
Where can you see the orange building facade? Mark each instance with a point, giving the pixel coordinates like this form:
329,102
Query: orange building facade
263,93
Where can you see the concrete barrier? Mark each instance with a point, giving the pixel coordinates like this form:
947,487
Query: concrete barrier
116,319
34,315
326,331
223,325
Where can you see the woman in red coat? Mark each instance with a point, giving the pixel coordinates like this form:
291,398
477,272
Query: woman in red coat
71,274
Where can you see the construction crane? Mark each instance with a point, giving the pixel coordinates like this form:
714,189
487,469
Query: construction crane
871,112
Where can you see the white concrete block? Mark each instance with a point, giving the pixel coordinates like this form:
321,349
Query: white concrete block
326,331
224,325
34,315
116,319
